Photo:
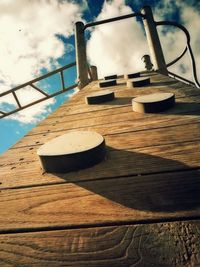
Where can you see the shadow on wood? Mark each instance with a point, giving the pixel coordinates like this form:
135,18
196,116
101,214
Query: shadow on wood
162,83
120,101
141,189
184,108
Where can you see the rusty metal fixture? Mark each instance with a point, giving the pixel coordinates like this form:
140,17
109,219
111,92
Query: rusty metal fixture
147,61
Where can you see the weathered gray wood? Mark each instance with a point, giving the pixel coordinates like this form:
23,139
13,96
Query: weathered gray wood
156,245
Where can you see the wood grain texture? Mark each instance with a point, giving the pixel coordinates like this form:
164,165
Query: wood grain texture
157,245
73,108
76,117
151,174
179,130
122,99
77,106
172,157
137,199
186,110
137,143
124,139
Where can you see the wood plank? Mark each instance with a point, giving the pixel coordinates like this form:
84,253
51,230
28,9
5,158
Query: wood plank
82,116
157,80
14,162
77,104
162,83
154,137
148,160
137,199
130,138
174,157
158,245
185,108
178,109
120,123
127,136
123,99
151,174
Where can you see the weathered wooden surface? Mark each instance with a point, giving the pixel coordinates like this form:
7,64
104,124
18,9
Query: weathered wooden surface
172,157
102,120
137,199
151,174
162,245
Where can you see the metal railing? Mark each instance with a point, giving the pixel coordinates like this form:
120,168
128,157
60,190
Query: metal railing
20,106
156,52
82,66
187,49
152,38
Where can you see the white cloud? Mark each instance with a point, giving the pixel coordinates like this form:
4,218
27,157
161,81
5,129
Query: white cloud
174,41
29,42
35,113
117,47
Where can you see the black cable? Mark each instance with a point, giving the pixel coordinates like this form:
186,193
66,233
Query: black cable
176,76
178,58
188,47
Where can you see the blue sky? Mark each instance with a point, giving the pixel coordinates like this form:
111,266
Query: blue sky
31,48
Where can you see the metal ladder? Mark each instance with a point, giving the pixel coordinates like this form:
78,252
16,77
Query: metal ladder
86,74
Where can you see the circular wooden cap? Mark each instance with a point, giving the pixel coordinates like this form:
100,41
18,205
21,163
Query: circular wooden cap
72,151
132,75
100,97
138,82
107,83
110,77
153,103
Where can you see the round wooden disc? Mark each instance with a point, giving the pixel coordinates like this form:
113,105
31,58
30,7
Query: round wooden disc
100,97
72,151
153,103
111,77
107,83
138,82
132,75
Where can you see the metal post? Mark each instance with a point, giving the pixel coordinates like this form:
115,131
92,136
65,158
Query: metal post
153,41
94,73
81,59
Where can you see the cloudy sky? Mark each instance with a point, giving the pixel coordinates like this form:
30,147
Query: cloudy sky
37,36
